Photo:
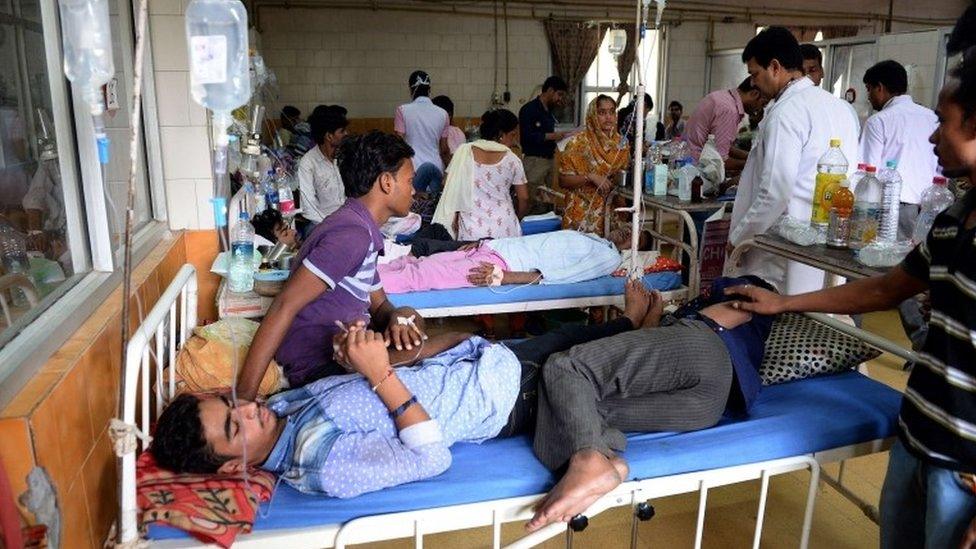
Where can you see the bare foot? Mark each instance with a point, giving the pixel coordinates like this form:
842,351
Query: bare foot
636,302
590,476
620,464
654,311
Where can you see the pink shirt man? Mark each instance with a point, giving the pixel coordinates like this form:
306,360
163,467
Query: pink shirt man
719,114
455,137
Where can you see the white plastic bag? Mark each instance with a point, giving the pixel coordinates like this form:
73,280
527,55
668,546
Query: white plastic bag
712,167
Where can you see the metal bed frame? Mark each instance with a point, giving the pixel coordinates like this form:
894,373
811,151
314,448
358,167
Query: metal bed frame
167,326
676,295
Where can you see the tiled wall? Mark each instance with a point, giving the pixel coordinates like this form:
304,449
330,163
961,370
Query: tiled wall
182,123
59,420
362,58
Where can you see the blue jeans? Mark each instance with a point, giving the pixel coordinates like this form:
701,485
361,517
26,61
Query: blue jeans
923,505
428,179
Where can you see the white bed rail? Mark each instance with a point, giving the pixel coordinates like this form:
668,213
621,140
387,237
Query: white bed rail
164,330
417,524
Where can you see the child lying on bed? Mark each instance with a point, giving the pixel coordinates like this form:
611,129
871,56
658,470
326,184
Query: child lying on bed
559,257
346,435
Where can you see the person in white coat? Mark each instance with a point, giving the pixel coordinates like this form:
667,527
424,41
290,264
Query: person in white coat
779,176
899,130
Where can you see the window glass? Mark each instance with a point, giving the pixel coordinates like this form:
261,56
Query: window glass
847,67
603,76
34,241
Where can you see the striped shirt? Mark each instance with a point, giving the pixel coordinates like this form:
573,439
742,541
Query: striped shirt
341,251
938,414
339,439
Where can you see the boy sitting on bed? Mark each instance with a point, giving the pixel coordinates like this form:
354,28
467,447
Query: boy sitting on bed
346,435
558,257
333,277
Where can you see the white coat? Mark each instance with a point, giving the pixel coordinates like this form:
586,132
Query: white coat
779,176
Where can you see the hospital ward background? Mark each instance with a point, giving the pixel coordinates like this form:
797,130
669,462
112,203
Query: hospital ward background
216,203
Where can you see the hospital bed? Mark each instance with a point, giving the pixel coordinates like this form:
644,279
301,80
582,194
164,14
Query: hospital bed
792,427
606,290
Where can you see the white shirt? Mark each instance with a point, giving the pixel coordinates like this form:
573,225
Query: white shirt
422,124
780,174
320,186
581,256
900,131
45,194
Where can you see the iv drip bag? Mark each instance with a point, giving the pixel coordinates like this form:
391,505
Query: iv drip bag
87,41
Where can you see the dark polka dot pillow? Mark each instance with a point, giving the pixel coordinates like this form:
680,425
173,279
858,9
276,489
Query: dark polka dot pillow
800,347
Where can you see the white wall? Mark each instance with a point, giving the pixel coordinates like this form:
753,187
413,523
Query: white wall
687,46
920,49
182,123
361,58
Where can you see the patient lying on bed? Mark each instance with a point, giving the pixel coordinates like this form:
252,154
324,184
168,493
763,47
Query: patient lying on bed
347,435
559,257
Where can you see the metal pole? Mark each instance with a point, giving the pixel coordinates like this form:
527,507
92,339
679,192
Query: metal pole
638,149
135,119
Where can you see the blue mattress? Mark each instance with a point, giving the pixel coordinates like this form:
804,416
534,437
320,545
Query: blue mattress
541,226
605,285
787,420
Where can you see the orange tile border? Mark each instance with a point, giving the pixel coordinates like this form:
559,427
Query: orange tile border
101,479
16,453
75,522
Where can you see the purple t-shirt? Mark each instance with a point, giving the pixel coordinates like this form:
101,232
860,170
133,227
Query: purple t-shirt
342,251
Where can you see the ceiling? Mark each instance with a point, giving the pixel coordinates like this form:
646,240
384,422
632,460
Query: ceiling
798,12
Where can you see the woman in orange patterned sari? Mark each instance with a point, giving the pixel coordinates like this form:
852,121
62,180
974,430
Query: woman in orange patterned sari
588,166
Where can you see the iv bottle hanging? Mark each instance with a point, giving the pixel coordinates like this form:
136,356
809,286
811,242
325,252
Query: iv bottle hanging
216,34
87,41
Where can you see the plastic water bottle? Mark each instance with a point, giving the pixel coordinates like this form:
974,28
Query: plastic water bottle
270,194
858,174
13,254
890,201
831,168
935,199
867,209
87,40
841,209
241,270
286,200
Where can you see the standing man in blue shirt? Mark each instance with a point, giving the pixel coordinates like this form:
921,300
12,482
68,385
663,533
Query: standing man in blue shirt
538,135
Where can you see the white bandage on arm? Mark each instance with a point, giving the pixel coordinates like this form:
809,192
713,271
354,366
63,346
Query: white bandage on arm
496,276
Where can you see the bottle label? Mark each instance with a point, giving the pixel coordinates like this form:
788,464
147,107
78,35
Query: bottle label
826,185
242,249
208,59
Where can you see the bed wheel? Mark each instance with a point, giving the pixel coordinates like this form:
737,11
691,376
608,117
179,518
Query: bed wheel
644,511
579,523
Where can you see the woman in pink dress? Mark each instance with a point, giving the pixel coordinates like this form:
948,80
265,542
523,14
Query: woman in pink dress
490,171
